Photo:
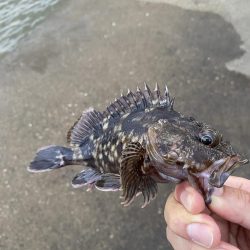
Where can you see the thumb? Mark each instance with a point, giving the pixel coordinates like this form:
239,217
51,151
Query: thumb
232,204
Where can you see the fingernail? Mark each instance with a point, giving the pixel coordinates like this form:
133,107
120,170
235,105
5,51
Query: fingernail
218,191
186,200
201,234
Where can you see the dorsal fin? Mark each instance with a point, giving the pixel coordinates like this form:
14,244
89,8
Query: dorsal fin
89,122
92,121
140,100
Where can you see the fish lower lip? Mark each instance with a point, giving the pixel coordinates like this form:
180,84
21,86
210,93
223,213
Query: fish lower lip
232,162
223,168
235,160
243,162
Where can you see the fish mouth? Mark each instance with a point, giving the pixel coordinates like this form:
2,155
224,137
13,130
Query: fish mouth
216,173
223,168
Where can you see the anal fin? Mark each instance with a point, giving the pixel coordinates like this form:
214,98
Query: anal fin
93,178
109,182
86,177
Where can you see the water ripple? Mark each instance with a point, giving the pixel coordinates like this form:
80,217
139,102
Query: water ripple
18,18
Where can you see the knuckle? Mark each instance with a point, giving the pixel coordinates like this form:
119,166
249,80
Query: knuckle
168,234
173,222
167,209
171,236
173,214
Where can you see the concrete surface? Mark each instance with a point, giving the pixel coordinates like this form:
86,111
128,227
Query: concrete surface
234,11
82,56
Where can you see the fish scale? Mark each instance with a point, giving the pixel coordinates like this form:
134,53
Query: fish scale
139,141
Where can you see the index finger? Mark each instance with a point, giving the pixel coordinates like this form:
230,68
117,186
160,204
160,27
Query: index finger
232,204
190,198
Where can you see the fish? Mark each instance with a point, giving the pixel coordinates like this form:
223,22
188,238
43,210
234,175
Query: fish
139,141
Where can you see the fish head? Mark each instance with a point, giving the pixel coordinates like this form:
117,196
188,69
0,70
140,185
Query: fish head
183,143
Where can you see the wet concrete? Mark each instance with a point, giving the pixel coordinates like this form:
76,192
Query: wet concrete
83,56
235,12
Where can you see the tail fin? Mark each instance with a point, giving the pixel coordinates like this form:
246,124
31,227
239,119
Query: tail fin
51,157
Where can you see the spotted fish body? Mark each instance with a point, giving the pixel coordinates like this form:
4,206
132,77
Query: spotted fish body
119,131
139,141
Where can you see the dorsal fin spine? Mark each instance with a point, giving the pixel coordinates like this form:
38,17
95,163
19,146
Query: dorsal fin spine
111,114
171,104
142,97
122,108
131,98
124,102
115,108
157,98
148,95
128,102
167,98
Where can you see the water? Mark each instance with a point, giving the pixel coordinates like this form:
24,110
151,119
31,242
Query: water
18,18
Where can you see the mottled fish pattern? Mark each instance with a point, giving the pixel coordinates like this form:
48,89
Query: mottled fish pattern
139,141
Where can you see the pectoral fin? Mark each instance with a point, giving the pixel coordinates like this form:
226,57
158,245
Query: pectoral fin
133,179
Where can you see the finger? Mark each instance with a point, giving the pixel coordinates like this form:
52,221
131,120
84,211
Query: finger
199,228
190,198
179,243
239,183
233,205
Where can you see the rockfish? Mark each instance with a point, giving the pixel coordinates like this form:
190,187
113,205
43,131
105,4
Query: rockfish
138,141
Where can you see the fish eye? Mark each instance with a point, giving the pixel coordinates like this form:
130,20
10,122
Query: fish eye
206,139
209,138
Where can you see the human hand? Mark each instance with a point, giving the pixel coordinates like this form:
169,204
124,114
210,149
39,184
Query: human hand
225,225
